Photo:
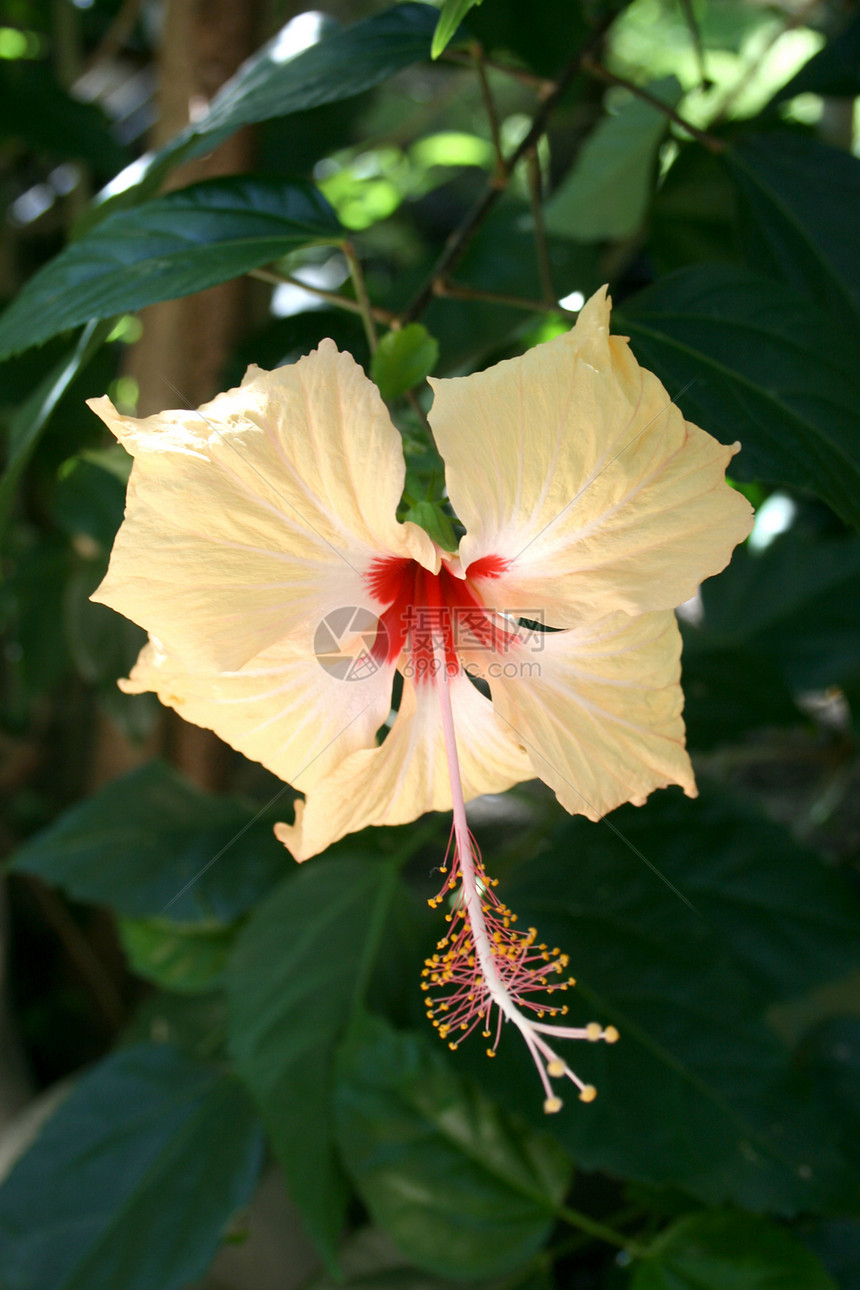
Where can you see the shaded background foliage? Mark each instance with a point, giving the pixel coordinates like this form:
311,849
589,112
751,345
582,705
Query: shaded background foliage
226,1054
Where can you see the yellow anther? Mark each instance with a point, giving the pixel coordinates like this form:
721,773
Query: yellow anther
453,1046
553,1104
594,1031
611,1035
491,1052
555,1068
588,1093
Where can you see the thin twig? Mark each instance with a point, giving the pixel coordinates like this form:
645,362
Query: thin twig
490,105
458,241
116,35
539,83
81,954
696,42
536,197
601,73
342,302
365,307
460,291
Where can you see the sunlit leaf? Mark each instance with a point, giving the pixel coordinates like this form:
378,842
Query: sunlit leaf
403,360
133,1180
452,14
606,194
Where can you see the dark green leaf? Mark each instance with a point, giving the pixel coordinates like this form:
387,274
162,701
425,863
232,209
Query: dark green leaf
729,691
798,203
834,71
103,644
729,1251
698,1093
172,246
369,1261
750,359
150,843
90,495
36,109
300,969
28,422
460,1187
452,14
276,83
403,360
795,606
133,1180
836,1243
186,957
606,195
693,214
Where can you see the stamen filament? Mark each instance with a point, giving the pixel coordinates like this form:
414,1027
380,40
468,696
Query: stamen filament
483,961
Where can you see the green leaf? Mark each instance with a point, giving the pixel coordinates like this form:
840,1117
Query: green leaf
753,360
403,360
796,199
730,691
834,71
699,1093
299,971
693,216
27,424
186,957
277,83
729,1251
172,246
148,836
606,194
132,1180
452,14
430,517
461,1188
37,110
90,495
795,606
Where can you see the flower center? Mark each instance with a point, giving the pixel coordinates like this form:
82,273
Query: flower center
427,609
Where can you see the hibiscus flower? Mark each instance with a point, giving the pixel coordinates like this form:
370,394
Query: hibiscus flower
262,552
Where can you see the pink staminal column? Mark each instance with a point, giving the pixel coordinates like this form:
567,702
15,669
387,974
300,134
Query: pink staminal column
483,962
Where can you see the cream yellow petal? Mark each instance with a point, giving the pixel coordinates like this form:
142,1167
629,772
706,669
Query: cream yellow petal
282,709
572,464
408,774
259,512
598,710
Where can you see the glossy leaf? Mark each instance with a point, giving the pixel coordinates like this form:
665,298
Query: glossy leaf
172,246
729,1251
698,1093
607,193
798,201
750,359
403,360
299,970
276,82
133,1180
150,843
459,1187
